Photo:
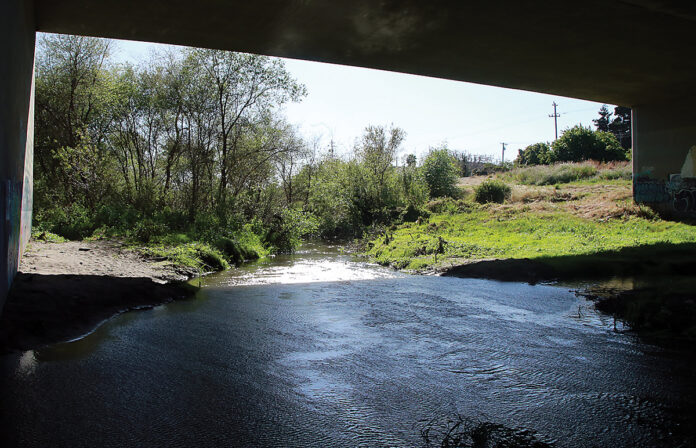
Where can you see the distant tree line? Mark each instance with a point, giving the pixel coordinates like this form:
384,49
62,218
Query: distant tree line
611,141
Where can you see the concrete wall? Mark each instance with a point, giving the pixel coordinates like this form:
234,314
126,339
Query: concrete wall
664,165
17,39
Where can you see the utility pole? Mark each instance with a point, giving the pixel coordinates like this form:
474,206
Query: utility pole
555,119
503,158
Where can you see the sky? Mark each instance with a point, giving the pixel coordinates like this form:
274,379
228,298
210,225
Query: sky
343,100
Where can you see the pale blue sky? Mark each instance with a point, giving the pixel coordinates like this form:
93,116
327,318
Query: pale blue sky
476,118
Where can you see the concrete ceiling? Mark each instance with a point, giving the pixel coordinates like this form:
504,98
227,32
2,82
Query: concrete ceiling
629,52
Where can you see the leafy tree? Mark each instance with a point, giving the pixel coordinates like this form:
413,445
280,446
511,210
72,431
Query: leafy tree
72,119
621,126
440,173
536,154
377,149
602,123
579,143
411,160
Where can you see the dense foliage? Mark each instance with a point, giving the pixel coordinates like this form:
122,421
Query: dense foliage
576,144
441,173
191,150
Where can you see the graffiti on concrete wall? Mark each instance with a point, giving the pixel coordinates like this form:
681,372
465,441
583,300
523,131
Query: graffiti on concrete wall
676,195
650,191
682,192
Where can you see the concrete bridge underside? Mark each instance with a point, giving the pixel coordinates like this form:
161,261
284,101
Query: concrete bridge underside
637,53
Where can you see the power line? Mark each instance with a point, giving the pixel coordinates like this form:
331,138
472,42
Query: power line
555,119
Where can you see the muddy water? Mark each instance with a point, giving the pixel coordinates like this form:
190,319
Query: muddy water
320,350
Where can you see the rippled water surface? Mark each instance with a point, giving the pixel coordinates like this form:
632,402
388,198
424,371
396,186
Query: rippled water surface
319,350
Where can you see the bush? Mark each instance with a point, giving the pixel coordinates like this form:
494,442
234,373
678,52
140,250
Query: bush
146,229
492,191
73,222
411,214
287,230
440,173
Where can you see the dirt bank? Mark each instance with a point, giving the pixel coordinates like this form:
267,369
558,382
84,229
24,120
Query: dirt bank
104,258
65,290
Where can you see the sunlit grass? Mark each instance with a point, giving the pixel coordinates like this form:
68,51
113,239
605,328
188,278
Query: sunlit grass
491,232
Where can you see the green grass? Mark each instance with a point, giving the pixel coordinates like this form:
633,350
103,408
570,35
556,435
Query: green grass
183,250
200,256
48,237
489,232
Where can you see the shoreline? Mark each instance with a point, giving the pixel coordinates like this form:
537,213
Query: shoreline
65,291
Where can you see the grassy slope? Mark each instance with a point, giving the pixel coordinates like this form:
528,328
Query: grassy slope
586,217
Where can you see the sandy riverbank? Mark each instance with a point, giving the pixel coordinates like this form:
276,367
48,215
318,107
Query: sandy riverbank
66,290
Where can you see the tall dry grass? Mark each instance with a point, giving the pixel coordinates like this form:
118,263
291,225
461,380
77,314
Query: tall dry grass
562,173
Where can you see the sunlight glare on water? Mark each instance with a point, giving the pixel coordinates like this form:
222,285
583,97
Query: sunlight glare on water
307,266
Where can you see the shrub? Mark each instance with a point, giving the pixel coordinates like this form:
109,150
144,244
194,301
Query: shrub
440,173
146,229
287,230
73,222
492,191
411,214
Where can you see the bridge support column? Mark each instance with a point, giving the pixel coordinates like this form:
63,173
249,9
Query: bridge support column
664,157
17,40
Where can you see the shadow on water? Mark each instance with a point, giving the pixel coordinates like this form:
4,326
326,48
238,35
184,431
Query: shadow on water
45,309
648,260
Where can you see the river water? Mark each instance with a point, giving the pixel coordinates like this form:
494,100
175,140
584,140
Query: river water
320,350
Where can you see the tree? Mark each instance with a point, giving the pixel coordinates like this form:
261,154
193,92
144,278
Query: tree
580,143
411,160
602,123
243,87
536,154
72,119
289,161
440,173
621,126
378,148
